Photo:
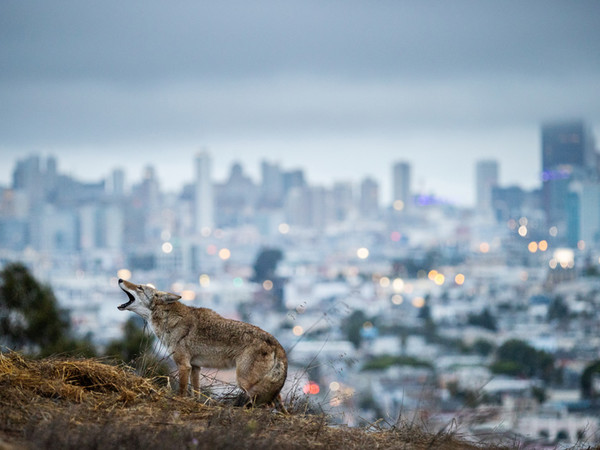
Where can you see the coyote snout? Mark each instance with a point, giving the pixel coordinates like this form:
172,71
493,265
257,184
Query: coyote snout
199,337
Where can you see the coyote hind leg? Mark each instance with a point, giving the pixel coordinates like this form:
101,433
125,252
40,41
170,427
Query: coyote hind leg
195,381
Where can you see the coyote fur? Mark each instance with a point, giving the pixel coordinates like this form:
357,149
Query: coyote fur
199,337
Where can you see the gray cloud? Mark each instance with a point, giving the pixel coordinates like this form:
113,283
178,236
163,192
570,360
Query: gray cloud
139,41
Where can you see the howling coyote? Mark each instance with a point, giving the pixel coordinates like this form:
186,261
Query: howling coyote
199,337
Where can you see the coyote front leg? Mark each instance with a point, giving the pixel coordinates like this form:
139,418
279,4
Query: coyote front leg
184,367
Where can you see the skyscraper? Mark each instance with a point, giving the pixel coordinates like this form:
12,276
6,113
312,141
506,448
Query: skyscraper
567,144
272,188
486,175
369,198
568,154
204,199
401,185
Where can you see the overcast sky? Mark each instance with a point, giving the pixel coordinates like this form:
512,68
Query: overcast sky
340,88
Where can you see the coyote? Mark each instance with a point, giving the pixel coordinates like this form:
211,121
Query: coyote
198,337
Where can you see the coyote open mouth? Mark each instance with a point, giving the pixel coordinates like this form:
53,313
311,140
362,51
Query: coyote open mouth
131,299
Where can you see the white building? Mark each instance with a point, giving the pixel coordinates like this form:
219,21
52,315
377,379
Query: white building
487,179
401,180
204,198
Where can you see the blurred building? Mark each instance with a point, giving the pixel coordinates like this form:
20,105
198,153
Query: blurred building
204,197
116,183
401,195
583,214
272,188
293,179
309,207
235,199
568,154
343,201
369,199
486,174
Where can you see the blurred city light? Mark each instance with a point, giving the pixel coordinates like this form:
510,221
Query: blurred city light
398,205
397,299
311,388
384,282
283,228
398,284
124,274
362,253
418,302
188,295
204,280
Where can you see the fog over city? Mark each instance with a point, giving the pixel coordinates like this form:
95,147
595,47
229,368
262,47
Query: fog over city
341,89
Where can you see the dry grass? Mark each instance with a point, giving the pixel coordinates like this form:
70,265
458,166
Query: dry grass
86,403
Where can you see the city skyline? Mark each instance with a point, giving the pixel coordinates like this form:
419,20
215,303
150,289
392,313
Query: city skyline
129,178
341,89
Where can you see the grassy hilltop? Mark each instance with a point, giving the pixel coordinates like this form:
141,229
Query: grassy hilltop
86,403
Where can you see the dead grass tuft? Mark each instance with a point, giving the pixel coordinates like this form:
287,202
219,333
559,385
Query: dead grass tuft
86,403
72,380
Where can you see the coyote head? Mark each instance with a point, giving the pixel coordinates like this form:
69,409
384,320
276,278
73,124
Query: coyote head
143,298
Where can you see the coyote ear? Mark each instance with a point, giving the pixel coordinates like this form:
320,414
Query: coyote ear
170,298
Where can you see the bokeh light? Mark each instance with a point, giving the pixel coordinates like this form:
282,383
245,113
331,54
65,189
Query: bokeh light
283,228
167,247
188,295
459,279
311,388
398,284
398,205
124,274
298,330
362,253
418,302
397,299
204,280
565,257
267,285
224,254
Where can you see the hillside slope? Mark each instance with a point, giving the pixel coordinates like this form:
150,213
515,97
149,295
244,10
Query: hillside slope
84,403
